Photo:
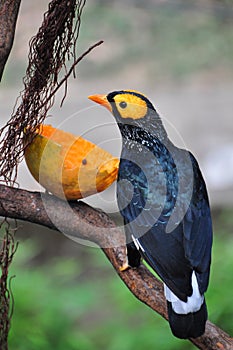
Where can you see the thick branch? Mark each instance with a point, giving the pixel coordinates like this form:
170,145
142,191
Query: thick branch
82,221
9,10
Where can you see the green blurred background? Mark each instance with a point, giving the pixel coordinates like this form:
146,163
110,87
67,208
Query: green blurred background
66,295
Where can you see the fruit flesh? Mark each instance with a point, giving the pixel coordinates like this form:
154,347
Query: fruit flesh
69,166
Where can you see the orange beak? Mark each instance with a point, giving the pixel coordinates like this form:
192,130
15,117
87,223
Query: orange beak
102,100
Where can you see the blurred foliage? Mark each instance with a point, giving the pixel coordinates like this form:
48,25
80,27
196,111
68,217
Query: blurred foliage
158,40
163,40
80,303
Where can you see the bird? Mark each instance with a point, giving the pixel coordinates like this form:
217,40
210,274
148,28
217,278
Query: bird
163,199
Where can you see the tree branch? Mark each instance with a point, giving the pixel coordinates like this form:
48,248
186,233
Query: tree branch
78,220
9,10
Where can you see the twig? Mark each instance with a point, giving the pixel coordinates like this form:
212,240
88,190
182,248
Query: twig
66,76
64,80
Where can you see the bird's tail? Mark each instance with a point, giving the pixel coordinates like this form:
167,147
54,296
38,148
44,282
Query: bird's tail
191,325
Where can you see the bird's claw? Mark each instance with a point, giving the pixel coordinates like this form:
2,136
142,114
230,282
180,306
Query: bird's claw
124,267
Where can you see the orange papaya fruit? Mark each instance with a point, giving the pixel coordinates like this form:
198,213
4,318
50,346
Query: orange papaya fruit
69,166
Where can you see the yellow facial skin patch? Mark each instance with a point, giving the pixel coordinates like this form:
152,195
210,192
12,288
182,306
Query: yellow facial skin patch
130,106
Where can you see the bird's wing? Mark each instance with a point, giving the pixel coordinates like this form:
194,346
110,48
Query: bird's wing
172,255
145,225
197,230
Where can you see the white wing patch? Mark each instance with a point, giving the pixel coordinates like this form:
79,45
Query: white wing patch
137,243
193,303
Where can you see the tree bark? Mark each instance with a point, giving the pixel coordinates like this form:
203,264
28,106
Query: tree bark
78,220
9,10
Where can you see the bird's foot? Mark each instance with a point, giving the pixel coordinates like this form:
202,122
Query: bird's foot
124,267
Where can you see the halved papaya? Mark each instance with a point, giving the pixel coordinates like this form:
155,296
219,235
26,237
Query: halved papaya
69,166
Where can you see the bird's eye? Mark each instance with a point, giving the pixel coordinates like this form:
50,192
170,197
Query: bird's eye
123,104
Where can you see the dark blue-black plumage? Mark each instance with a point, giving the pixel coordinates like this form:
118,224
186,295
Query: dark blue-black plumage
151,201
163,200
